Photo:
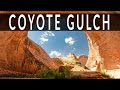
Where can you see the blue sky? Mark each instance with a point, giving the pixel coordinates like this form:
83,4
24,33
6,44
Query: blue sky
61,43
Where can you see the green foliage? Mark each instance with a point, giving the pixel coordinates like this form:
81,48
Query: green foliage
54,74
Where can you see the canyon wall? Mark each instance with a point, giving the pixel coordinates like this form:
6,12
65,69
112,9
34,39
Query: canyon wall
104,49
19,53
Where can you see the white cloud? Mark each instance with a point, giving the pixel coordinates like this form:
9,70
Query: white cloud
47,33
70,40
55,54
43,39
45,36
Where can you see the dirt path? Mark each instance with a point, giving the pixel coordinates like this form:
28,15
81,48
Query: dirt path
90,75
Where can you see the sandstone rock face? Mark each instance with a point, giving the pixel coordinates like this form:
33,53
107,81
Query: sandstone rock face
71,57
104,50
82,59
57,62
19,53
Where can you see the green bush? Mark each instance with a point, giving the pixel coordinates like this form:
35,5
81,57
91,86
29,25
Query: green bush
54,74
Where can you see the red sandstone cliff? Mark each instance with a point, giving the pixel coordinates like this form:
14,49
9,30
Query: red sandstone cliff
104,50
19,53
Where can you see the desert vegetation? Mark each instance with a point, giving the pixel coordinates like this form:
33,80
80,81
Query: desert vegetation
61,73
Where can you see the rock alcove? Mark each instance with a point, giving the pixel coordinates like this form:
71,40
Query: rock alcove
19,53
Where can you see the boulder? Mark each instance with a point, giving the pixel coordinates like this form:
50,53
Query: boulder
82,59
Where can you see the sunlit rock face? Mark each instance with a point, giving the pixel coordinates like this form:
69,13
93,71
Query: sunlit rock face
19,53
104,50
71,57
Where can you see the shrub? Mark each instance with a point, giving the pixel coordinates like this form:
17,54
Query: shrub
54,74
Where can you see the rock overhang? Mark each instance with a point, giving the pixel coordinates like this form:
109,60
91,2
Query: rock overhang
103,49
